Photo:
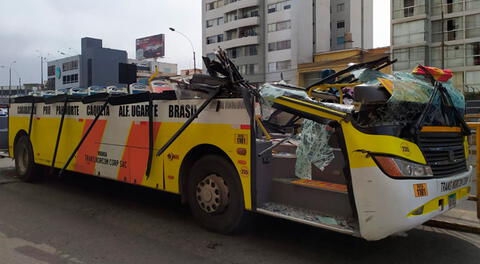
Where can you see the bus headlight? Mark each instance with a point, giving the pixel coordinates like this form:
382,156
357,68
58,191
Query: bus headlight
400,168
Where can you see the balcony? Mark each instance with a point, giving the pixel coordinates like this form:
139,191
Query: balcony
237,42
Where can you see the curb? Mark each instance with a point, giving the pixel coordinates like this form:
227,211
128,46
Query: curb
453,226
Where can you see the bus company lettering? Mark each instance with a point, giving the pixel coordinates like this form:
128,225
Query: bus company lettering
47,110
136,110
26,109
454,184
103,159
69,110
181,111
93,110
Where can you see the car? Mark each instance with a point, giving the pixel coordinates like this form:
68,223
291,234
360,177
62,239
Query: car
35,93
96,89
159,86
136,88
48,93
62,91
79,91
116,90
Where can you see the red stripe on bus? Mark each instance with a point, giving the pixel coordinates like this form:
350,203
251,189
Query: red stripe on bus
136,153
244,126
86,155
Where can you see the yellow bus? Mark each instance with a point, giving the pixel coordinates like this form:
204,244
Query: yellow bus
227,147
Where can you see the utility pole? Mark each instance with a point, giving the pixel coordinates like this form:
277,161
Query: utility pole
9,83
443,38
41,72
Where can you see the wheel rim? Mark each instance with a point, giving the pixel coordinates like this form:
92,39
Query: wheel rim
212,194
22,159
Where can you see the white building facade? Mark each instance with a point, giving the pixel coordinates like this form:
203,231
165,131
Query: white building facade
440,33
267,39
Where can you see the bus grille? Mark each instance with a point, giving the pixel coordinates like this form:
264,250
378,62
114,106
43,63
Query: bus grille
444,152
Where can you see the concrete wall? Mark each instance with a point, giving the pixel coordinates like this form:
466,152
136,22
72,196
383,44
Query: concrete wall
322,26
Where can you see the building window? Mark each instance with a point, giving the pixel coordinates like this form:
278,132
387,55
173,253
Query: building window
248,69
341,24
251,50
215,4
408,58
472,26
215,22
472,81
210,6
280,6
281,45
231,16
234,53
232,34
215,39
210,23
340,7
408,8
71,65
249,12
211,40
340,40
279,26
279,66
452,29
51,70
247,32
410,32
450,6
473,54
73,78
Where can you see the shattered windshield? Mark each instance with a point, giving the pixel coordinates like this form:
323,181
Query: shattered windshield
410,96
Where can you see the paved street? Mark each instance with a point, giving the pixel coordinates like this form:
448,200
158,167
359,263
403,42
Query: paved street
81,219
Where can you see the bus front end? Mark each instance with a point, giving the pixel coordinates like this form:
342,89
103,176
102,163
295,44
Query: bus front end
399,184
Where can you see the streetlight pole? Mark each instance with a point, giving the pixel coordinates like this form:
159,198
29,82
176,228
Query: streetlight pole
193,48
10,80
41,72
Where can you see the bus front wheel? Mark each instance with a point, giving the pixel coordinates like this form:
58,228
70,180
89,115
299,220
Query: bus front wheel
24,160
215,194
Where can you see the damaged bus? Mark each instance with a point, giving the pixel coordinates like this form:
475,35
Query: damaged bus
359,152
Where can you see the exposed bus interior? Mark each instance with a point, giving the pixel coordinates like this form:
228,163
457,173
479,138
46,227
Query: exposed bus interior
303,170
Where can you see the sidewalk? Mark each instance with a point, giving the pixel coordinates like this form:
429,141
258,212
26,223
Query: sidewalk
463,218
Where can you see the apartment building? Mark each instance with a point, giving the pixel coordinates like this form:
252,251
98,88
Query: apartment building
267,39
440,33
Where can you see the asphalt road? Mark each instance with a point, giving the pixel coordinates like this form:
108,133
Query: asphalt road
82,219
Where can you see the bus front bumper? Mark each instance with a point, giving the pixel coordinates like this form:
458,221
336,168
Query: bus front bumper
387,206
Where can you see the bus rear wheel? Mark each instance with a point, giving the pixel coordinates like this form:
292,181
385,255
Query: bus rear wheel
215,194
25,165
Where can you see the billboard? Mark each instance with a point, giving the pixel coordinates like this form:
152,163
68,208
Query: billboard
150,47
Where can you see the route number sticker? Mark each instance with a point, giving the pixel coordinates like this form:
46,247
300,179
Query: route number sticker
420,190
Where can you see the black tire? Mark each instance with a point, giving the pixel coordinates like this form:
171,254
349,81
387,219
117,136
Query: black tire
229,216
25,165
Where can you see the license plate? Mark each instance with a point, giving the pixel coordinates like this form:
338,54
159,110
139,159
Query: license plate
452,201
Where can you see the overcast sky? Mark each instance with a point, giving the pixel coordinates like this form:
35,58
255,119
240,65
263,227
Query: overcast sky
50,26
